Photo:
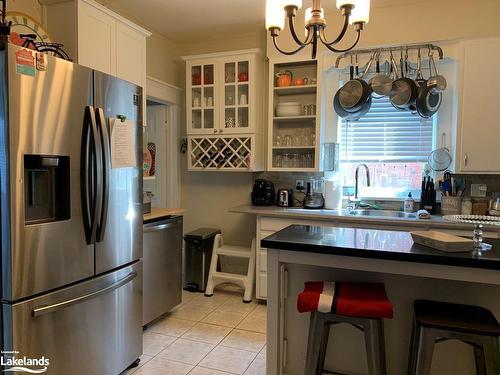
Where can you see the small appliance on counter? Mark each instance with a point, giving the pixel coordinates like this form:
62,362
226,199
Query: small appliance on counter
285,198
314,198
263,193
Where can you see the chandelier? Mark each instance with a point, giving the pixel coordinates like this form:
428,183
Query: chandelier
355,12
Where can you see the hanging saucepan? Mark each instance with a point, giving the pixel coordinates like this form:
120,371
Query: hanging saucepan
355,93
381,83
350,116
427,103
404,90
436,82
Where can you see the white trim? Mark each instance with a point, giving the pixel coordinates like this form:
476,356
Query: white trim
163,83
172,96
222,54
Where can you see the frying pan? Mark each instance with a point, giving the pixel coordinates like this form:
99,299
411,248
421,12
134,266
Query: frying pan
404,90
427,103
354,94
381,83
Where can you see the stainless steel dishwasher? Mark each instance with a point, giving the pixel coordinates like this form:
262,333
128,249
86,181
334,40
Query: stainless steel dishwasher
162,267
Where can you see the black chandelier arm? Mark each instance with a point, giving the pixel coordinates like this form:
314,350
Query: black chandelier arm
301,47
291,24
322,34
358,32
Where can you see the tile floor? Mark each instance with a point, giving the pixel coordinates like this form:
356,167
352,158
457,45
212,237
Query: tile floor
217,335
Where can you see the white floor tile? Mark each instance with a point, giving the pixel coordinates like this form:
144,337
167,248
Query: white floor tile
237,305
207,371
153,343
160,366
191,312
186,351
258,366
172,327
228,359
208,333
188,296
264,351
224,318
246,340
144,359
255,322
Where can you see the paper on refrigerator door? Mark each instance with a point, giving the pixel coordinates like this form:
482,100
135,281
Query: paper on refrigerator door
122,143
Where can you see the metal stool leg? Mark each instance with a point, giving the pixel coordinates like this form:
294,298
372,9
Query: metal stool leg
375,346
491,348
480,360
322,351
316,327
425,350
412,357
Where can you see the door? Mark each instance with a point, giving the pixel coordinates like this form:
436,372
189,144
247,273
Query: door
96,38
120,239
479,132
45,247
202,97
130,54
162,267
93,327
237,95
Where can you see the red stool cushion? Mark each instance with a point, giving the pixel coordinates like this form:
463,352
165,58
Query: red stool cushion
366,300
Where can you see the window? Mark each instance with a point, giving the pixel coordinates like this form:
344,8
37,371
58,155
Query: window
395,146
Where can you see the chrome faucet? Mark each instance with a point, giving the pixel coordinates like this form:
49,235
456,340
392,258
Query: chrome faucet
356,199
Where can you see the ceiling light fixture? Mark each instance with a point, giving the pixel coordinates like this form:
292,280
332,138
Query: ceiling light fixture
355,12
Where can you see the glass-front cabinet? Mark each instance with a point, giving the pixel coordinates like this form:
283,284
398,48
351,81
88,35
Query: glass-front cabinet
225,100
221,93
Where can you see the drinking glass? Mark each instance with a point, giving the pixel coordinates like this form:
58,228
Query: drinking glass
288,140
278,140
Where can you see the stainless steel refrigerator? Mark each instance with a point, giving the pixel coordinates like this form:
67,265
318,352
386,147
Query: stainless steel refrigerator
71,225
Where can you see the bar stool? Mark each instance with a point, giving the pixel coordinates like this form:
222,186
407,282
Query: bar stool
216,277
361,305
435,322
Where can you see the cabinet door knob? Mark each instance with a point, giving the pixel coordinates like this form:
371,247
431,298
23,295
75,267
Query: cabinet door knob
215,130
466,160
220,131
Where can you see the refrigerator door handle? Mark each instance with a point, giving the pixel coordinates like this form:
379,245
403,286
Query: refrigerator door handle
47,309
91,171
106,166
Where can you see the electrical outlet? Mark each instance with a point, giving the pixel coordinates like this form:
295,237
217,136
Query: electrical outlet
299,185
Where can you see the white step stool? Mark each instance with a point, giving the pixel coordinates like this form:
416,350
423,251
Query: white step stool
244,281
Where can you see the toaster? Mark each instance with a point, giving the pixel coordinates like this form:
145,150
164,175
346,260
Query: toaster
284,198
263,193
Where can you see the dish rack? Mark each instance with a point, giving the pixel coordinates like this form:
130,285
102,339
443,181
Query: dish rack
222,153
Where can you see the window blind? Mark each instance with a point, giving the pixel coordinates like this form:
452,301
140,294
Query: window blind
386,134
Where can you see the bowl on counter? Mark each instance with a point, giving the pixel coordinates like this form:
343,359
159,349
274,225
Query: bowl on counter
287,109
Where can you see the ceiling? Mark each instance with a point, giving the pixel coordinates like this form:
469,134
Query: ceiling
198,20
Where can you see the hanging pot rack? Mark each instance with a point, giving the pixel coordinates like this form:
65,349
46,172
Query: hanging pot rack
371,51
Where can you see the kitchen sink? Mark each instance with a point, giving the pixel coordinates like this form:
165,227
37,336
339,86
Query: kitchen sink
383,213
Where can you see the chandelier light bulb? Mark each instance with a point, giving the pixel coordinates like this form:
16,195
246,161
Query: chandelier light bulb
275,15
360,12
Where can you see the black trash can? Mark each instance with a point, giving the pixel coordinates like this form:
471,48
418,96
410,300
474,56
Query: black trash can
199,245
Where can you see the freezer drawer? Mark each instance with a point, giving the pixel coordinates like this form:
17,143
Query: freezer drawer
162,267
94,327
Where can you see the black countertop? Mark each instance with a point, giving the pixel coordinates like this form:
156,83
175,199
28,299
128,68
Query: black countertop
376,244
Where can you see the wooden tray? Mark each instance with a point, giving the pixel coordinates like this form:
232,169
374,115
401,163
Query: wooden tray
442,241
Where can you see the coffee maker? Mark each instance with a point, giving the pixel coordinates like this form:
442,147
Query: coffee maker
314,198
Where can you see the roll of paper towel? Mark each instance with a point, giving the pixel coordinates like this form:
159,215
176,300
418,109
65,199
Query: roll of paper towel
333,194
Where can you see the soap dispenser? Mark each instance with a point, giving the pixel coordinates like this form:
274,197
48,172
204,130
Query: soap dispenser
409,204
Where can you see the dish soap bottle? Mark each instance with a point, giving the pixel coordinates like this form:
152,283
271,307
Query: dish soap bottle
409,204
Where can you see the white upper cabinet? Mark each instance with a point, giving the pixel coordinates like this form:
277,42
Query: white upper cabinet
224,93
97,37
478,133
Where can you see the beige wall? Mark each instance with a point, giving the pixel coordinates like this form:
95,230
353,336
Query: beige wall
29,7
207,196
163,60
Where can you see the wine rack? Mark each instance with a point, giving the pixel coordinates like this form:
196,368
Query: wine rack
222,153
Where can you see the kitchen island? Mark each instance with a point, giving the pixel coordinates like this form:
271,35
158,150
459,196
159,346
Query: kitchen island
302,253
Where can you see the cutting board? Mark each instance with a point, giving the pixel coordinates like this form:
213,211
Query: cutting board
442,241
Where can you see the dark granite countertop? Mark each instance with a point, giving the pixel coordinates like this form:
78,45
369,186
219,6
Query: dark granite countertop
376,244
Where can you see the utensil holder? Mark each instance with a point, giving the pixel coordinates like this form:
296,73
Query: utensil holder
451,205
